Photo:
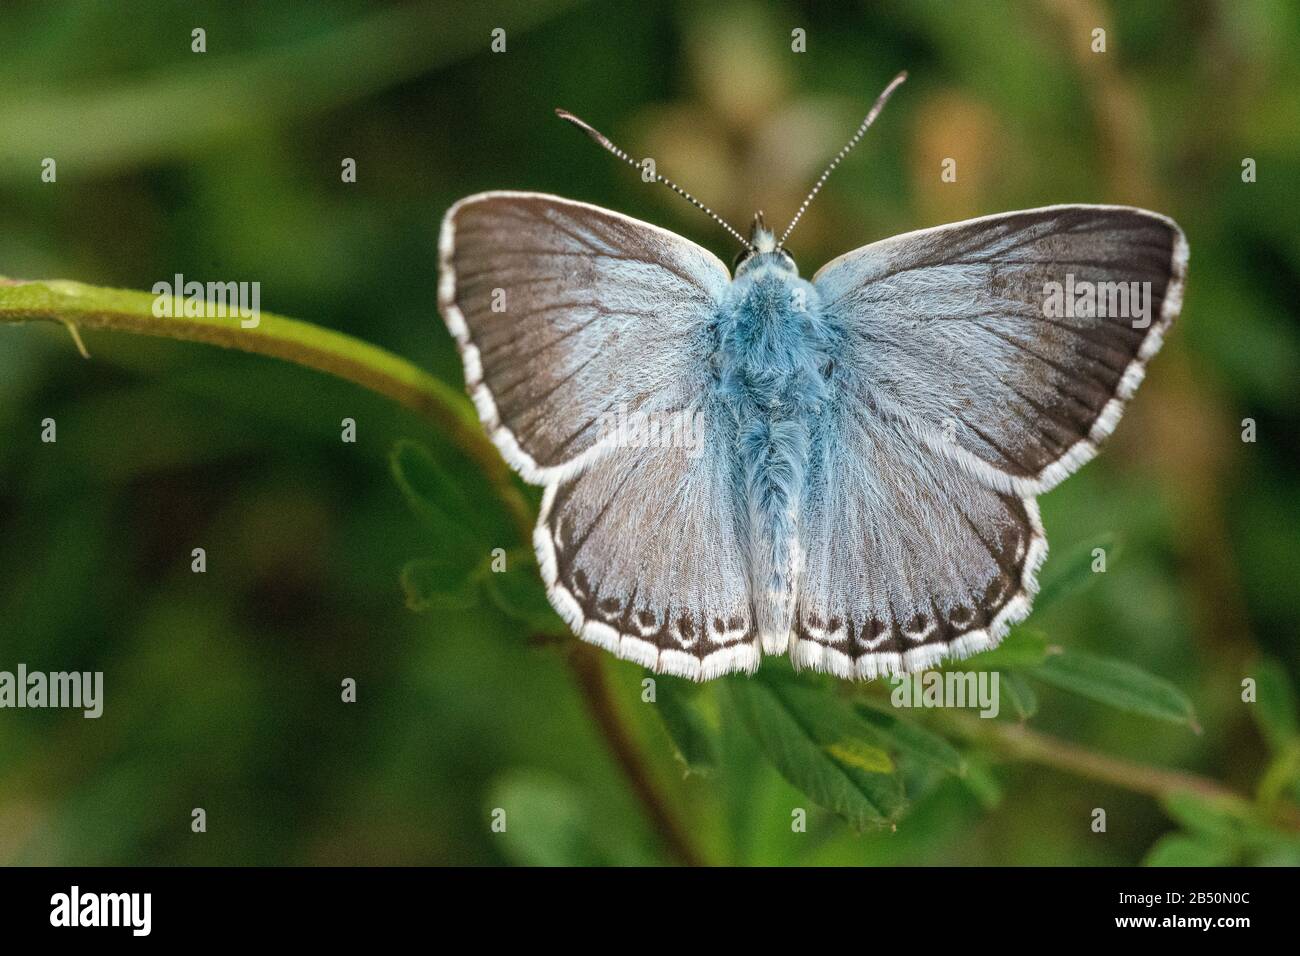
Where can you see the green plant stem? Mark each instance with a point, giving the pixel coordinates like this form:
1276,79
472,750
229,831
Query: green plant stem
1021,743
79,306
588,668
90,308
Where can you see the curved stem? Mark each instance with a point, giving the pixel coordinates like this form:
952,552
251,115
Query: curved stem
588,668
1031,746
80,306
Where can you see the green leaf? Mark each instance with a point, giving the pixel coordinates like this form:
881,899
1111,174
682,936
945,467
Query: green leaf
743,775
432,494
1023,647
796,727
1282,776
694,740
1074,574
1274,709
1118,684
982,784
518,592
1221,819
1017,692
1179,849
439,584
547,823
905,737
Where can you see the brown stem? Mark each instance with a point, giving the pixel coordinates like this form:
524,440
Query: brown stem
1021,743
587,665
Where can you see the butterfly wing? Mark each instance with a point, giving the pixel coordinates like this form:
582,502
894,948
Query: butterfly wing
564,312
952,331
958,397
906,558
641,555
569,317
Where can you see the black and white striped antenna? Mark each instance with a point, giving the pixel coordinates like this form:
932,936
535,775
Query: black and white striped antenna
605,143
821,180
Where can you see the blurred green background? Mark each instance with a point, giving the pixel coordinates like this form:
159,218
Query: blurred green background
223,689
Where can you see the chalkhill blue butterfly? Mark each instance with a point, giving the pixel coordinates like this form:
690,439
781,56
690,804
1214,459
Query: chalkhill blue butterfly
843,469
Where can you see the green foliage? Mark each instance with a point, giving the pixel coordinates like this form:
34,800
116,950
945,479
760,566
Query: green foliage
821,746
1074,574
1275,706
464,570
1219,831
437,583
1118,684
544,820
1179,849
1023,647
1019,694
433,496
518,594
909,739
692,732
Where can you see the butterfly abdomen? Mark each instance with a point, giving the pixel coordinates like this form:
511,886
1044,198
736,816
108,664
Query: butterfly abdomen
772,352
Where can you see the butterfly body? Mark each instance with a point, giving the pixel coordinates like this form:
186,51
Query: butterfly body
773,357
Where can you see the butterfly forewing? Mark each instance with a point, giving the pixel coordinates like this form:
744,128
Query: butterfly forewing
565,313
985,337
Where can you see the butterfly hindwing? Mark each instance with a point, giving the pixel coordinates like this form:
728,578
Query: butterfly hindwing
907,560
642,555
958,333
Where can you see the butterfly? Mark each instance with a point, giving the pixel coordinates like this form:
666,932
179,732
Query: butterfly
842,469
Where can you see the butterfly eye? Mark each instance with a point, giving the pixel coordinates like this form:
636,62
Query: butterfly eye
740,257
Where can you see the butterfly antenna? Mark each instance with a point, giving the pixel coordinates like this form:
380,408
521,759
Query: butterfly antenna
876,107
605,143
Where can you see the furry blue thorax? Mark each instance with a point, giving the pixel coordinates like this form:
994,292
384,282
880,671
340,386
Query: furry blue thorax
773,361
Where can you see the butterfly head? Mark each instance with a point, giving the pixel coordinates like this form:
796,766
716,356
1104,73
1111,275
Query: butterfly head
762,250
